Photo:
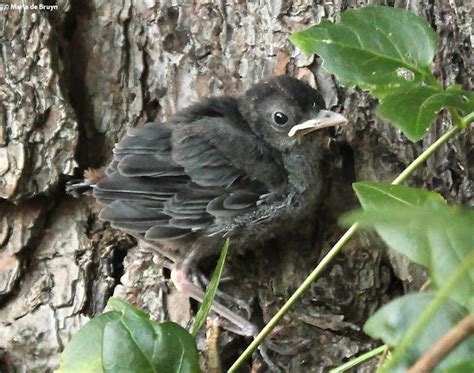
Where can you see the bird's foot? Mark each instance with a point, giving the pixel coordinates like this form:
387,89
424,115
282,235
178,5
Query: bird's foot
78,187
289,349
242,304
239,325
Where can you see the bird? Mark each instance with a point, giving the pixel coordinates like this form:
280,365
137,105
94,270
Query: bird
240,167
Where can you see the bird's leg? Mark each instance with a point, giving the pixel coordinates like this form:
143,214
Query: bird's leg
169,256
198,278
180,277
181,269
189,264
242,304
186,286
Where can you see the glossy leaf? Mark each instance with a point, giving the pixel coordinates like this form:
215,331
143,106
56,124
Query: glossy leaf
391,322
374,195
126,340
135,343
386,197
415,109
376,47
83,353
210,291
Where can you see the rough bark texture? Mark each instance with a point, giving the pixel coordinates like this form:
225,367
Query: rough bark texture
72,80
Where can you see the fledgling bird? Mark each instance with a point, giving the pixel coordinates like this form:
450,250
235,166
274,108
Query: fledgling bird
241,167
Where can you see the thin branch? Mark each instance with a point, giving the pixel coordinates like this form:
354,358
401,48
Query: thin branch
426,154
360,359
467,120
443,347
386,354
212,346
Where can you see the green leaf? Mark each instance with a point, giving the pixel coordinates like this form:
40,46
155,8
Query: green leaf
430,233
376,47
391,322
126,340
388,198
83,353
466,98
420,107
210,291
451,241
124,308
463,367
374,195
135,343
422,323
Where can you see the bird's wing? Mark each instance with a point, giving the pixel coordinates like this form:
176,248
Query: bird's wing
169,180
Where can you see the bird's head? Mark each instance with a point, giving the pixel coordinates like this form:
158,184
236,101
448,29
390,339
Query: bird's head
282,110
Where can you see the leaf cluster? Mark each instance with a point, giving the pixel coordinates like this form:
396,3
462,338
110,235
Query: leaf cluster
387,51
420,225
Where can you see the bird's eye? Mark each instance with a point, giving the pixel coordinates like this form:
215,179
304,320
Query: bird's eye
280,118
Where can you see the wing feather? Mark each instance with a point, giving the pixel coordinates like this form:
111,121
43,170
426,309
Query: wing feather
152,165
170,180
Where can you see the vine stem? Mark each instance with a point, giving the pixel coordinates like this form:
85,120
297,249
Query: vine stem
467,120
258,340
425,155
360,359
422,321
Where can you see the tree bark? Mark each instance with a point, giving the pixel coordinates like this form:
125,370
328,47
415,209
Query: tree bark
74,79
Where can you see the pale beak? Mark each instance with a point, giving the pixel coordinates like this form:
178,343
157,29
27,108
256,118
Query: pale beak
324,119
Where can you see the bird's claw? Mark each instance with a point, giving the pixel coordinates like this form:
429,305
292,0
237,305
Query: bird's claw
240,303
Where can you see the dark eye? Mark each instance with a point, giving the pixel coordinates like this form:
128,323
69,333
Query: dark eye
280,118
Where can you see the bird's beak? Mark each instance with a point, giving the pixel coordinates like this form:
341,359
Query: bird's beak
324,119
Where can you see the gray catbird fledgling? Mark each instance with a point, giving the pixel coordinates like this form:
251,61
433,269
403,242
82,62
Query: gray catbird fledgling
241,167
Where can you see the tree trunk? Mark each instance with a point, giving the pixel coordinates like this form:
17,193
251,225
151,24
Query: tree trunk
75,78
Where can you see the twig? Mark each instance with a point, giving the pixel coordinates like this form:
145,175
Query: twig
448,342
383,358
212,346
360,359
425,286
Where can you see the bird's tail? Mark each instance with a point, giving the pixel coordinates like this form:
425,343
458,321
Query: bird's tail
80,187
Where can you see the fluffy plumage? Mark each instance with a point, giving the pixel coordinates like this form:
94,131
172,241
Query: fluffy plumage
217,166
245,167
